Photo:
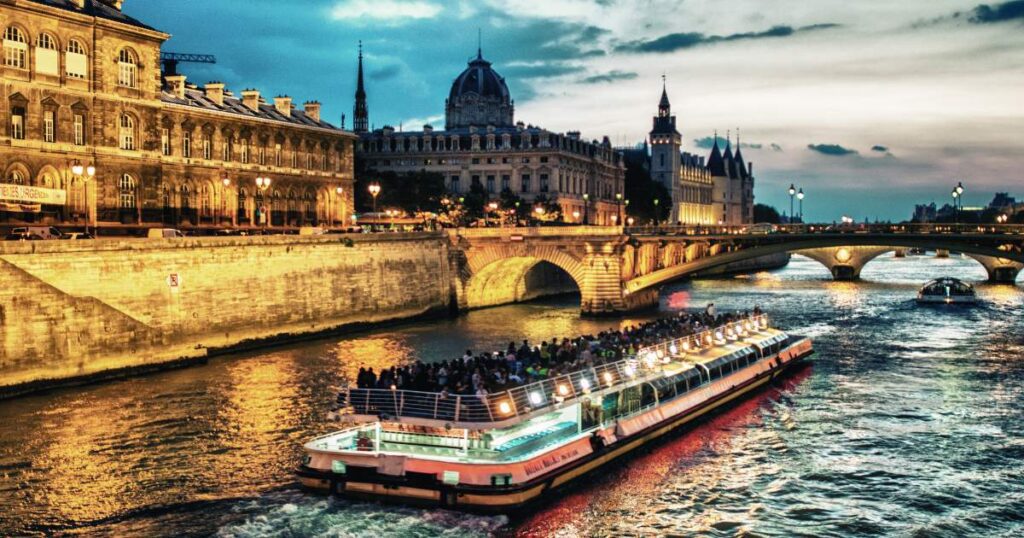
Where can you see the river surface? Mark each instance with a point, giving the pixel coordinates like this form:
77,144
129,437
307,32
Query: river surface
908,422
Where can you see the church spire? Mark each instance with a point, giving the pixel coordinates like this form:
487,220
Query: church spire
664,107
360,113
479,44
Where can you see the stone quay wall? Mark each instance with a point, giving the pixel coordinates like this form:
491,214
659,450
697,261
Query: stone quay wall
80,310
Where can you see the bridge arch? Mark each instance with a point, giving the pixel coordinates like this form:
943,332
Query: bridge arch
503,275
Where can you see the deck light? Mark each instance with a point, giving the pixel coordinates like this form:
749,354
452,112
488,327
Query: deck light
608,378
563,390
707,339
673,349
686,345
649,360
394,387
505,408
584,383
661,353
629,371
535,398
718,335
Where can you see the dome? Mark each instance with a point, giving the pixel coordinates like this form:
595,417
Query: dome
480,79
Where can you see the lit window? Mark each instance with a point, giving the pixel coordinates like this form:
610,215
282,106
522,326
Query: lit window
277,155
79,130
49,134
16,178
165,141
127,132
126,188
47,57
15,48
186,145
18,123
76,61
262,154
245,151
207,148
127,74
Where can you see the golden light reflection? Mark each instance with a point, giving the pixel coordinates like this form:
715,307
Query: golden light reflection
846,295
379,352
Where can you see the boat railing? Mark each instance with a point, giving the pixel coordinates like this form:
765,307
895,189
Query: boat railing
546,393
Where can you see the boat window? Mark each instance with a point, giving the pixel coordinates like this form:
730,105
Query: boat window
610,405
590,416
501,479
647,395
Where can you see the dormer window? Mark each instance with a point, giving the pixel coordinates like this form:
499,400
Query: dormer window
15,48
127,74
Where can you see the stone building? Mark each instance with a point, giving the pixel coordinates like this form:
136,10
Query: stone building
482,144
734,184
93,133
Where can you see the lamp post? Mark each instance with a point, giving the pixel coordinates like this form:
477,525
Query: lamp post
792,193
956,206
224,198
618,200
800,196
586,207
493,207
374,191
263,183
576,216
84,173
339,191
656,216
960,193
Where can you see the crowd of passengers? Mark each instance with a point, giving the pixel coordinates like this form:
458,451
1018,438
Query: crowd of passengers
485,373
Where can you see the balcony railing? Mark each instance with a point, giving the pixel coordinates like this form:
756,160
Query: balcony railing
647,363
827,229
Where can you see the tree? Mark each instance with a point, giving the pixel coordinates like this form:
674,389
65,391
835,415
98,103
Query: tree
412,192
642,191
766,213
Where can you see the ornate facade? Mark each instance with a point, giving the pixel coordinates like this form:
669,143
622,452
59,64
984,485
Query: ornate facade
83,92
481,145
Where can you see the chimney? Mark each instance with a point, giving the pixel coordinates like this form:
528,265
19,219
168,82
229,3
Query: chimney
312,109
251,99
750,169
428,128
283,104
215,92
177,84
80,4
116,4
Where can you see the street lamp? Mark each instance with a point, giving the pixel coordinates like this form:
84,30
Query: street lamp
800,196
956,207
85,174
224,198
615,220
263,183
629,221
656,202
339,191
576,215
792,193
374,191
586,206
618,200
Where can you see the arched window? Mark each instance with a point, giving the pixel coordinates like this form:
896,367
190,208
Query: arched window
127,132
127,74
16,177
242,195
76,61
15,48
47,55
126,189
205,199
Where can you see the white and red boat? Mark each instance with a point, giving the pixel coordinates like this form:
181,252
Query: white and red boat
500,453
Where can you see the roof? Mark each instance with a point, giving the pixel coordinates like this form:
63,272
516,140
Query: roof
481,79
95,8
716,164
741,167
233,105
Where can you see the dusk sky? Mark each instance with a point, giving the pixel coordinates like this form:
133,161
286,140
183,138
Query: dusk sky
869,106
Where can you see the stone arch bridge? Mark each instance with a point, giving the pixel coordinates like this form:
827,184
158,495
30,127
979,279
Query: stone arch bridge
617,270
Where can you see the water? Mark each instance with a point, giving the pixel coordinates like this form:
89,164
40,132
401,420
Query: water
908,423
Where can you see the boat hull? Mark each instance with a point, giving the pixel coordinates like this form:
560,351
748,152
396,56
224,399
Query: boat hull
425,491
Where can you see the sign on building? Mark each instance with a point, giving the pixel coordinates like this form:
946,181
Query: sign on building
32,195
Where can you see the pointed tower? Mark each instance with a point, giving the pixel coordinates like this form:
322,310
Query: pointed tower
716,164
360,113
665,150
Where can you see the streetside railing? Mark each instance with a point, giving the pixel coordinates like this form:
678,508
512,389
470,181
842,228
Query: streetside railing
646,363
825,228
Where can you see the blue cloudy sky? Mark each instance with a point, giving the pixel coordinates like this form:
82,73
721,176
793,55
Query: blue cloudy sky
869,106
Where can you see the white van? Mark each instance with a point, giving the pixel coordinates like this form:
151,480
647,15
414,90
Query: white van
164,233
44,232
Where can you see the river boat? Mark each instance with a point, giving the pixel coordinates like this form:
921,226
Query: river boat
947,290
500,453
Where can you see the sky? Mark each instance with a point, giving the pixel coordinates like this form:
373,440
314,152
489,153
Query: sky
869,106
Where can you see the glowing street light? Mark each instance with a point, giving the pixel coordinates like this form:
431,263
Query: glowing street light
374,189
85,174
792,193
800,196
224,197
263,183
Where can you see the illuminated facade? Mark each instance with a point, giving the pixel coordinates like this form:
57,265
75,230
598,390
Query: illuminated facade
83,91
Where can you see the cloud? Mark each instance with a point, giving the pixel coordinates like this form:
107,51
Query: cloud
385,9
880,149
709,141
524,70
1007,11
610,76
386,72
776,147
834,150
686,40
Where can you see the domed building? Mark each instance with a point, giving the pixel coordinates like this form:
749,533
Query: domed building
483,145
479,97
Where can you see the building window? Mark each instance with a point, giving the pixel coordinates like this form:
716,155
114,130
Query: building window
15,48
543,159
476,160
526,160
524,181
186,145
126,189
295,159
16,178
543,183
490,184
18,123
49,130
76,62
262,154
229,149
207,148
79,130
165,141
127,74
309,161
47,56
454,185
127,132
277,154
245,151
506,183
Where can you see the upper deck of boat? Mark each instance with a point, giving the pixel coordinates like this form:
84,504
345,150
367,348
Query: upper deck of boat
699,353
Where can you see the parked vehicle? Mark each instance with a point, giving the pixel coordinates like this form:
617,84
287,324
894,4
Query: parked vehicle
312,230
44,232
23,236
164,233
75,236
762,228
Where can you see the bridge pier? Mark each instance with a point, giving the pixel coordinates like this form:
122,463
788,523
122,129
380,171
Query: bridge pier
845,263
1000,270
